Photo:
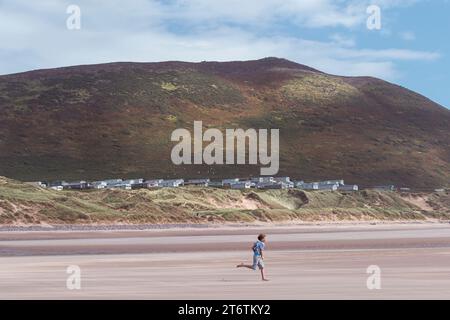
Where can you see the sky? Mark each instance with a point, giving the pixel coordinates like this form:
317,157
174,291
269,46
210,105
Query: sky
411,47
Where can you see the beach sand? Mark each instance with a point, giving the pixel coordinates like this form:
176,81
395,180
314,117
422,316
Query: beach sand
303,262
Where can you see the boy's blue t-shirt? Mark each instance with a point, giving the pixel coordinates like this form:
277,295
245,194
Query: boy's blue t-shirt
258,247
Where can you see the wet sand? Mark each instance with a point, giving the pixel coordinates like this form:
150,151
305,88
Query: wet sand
309,262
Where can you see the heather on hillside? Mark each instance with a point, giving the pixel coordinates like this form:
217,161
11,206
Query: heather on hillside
99,121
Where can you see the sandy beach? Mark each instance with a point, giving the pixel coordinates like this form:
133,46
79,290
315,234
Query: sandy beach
303,262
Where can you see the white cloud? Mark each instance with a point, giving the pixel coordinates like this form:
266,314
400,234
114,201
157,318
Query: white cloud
313,13
34,35
407,35
342,40
392,54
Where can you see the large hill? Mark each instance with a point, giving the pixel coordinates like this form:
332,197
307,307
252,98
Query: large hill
115,120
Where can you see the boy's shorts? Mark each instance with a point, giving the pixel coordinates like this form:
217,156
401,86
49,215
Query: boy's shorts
258,263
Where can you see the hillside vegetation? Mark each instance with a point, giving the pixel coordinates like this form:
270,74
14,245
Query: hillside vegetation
115,120
26,204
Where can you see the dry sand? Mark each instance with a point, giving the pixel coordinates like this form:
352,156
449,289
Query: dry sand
323,262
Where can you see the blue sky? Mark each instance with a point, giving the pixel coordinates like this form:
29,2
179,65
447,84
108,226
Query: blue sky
411,48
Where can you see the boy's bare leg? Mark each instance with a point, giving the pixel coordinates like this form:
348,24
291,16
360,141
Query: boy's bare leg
263,276
244,266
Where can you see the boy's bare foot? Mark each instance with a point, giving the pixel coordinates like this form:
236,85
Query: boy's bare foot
265,280
240,265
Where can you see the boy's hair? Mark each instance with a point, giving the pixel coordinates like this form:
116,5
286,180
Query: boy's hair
261,237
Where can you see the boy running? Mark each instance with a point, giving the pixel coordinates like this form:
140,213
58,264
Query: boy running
258,257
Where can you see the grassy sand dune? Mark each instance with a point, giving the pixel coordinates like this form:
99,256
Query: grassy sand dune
22,203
